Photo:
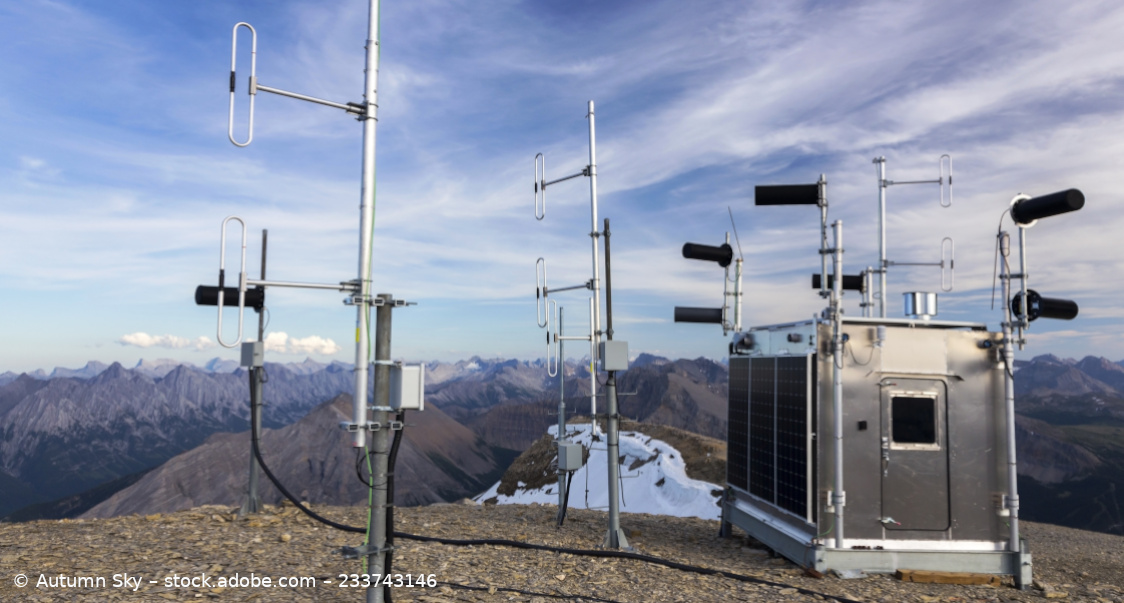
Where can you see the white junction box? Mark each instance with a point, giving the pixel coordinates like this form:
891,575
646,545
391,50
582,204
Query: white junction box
569,456
614,355
252,354
407,387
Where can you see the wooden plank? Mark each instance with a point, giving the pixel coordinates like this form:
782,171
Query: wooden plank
931,577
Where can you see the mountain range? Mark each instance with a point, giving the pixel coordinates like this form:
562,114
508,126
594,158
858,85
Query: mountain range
68,442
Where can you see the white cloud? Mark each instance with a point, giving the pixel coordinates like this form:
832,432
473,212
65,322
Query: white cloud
313,344
172,342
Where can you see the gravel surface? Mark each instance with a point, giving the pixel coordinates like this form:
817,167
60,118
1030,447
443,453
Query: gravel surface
281,543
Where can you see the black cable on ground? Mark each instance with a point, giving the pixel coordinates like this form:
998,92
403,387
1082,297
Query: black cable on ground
565,501
527,592
391,460
514,543
618,555
254,427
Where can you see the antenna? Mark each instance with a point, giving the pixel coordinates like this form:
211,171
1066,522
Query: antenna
613,355
723,255
1022,309
948,248
394,384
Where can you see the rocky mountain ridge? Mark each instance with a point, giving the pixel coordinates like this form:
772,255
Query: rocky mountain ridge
439,460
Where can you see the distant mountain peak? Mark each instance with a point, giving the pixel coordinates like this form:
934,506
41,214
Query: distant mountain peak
645,359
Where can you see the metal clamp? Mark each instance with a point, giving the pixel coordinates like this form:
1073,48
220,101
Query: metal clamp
356,427
355,552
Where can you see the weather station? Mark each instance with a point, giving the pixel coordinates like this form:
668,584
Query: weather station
874,443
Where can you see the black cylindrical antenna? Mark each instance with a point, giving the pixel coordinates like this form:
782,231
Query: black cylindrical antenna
851,282
705,315
723,254
1026,211
1044,307
206,295
787,194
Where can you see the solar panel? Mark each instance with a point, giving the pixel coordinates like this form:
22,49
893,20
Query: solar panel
792,434
737,459
762,428
769,430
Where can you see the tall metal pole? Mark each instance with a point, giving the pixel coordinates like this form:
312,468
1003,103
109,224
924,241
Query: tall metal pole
253,499
366,225
881,163
838,495
380,447
615,537
1009,391
561,407
595,328
822,202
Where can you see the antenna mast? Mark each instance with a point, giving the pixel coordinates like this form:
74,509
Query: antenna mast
358,290
616,353
944,180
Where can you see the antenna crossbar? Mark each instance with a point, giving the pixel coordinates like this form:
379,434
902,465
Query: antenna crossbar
893,182
584,172
588,285
354,108
343,286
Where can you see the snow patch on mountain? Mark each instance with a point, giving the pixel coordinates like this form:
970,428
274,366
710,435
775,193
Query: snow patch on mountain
653,479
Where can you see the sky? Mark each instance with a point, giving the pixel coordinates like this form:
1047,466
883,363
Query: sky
116,172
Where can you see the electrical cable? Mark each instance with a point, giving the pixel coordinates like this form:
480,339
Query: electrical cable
606,554
565,500
528,593
277,483
847,344
619,555
391,460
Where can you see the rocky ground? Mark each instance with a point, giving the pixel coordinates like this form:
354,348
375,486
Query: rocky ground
282,543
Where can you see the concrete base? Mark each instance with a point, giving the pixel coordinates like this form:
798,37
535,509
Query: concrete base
796,544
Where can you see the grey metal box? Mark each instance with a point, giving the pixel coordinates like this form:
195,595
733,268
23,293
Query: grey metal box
614,355
407,387
252,353
569,456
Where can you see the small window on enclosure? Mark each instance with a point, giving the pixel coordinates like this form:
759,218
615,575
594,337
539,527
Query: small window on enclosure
913,420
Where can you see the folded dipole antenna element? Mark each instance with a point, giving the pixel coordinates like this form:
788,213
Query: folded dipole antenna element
542,311
222,288
787,194
252,82
723,254
540,186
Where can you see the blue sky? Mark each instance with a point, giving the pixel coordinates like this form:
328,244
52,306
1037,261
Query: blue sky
115,172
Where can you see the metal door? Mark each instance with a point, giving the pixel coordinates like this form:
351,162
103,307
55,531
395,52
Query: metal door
915,480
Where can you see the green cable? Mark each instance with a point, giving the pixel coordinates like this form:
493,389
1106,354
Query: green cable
367,307
374,196
370,503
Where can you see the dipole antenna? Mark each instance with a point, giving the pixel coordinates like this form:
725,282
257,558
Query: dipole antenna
1026,306
948,246
358,290
542,291
612,354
